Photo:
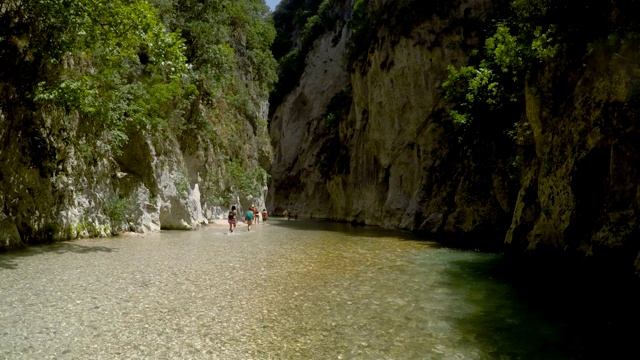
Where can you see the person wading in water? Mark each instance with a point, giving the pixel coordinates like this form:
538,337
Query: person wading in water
256,214
232,218
249,218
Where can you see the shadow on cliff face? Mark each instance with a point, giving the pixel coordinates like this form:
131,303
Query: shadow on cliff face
9,261
534,309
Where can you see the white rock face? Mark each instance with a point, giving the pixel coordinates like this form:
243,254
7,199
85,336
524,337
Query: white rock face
146,188
196,206
176,205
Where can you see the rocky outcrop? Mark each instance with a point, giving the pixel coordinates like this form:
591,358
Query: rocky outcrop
145,188
172,201
151,184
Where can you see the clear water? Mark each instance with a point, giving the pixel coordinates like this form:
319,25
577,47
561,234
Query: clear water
287,290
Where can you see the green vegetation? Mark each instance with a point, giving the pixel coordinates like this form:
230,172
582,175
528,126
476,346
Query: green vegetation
363,29
487,96
227,47
47,233
120,67
120,209
246,182
77,71
114,63
338,108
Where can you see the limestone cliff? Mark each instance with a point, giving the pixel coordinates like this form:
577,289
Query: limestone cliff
398,146
297,129
567,183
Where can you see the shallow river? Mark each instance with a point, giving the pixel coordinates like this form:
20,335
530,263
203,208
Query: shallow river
287,290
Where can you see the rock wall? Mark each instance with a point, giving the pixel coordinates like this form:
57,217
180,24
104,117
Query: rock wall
156,175
102,133
398,146
145,188
399,141
568,186
580,192
296,129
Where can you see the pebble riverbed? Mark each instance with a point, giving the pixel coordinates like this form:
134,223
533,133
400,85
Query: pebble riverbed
282,291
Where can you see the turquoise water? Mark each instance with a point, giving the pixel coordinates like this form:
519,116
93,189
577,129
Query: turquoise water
293,290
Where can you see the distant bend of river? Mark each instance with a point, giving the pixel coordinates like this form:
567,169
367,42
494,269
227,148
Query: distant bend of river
297,289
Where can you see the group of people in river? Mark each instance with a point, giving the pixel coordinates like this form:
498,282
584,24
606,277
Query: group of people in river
254,215
249,217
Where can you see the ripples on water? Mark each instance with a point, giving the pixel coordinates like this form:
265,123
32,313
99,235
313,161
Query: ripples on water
295,290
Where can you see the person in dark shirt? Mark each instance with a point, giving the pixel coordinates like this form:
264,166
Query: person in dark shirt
232,218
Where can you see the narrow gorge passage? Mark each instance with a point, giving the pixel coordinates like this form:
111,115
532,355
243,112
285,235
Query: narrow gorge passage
288,289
